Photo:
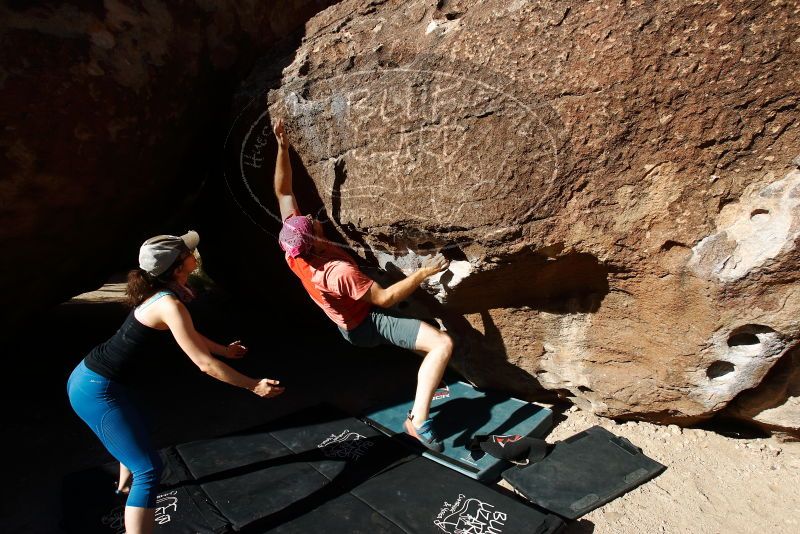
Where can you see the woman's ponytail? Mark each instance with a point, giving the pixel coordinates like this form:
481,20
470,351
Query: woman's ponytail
140,287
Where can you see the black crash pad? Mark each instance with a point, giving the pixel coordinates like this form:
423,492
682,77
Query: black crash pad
421,496
249,476
337,445
90,505
344,513
583,472
275,473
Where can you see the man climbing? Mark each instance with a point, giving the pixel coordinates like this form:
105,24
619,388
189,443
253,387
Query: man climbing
356,303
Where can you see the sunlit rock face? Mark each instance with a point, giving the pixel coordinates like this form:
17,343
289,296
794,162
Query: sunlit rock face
108,112
612,181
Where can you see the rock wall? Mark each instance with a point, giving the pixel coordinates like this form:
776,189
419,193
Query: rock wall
109,111
612,182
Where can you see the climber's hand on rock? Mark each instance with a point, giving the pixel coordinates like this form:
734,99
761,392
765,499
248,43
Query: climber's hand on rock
434,265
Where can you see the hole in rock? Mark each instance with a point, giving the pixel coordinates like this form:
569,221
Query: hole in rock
747,335
719,368
744,338
707,143
725,201
584,389
453,253
668,244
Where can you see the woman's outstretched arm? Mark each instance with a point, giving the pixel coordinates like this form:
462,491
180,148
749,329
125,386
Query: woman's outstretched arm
177,318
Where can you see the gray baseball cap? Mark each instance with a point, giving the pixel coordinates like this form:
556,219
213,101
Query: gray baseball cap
158,253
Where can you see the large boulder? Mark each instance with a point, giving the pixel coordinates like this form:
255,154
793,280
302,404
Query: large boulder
613,183
110,113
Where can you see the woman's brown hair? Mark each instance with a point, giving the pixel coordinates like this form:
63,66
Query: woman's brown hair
142,286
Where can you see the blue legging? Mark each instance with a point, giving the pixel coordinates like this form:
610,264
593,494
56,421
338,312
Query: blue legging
105,406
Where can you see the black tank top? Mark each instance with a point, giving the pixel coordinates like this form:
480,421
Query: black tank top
130,351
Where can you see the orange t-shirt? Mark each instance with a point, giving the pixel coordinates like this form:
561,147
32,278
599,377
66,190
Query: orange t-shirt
335,283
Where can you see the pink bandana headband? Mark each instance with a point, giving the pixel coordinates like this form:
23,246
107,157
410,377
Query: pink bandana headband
296,235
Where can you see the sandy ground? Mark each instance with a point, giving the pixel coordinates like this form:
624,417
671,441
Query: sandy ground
712,484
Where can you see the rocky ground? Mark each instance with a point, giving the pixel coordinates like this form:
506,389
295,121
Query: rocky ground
712,483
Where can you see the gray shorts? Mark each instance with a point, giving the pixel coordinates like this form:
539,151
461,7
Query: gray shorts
383,328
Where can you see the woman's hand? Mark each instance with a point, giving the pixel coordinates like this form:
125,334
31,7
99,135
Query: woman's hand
268,388
235,350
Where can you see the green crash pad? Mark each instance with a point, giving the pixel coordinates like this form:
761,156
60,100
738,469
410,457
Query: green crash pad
459,412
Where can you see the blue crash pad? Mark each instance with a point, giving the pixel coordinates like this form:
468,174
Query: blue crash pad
459,412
